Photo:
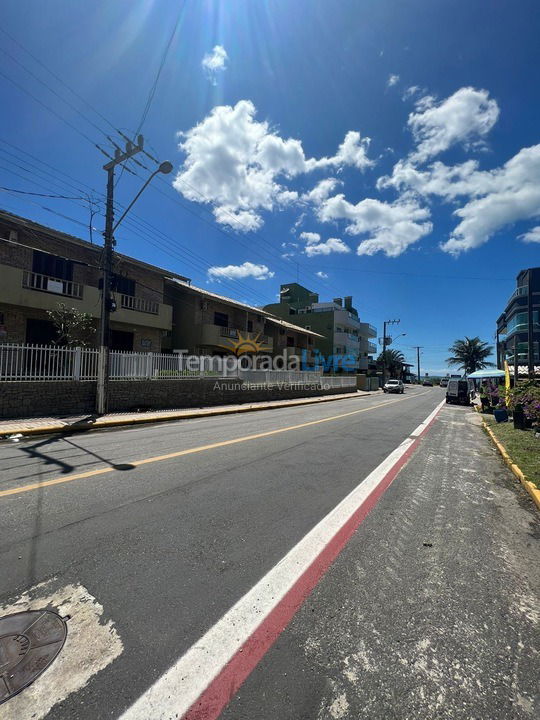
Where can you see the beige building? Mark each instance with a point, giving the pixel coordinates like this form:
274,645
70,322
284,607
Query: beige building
41,267
156,310
205,323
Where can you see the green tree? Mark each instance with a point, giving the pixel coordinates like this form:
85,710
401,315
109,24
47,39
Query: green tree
470,354
394,363
73,327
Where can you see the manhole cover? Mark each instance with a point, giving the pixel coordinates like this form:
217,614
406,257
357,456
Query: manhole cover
29,642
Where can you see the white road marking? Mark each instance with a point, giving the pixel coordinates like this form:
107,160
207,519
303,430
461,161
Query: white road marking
90,646
179,687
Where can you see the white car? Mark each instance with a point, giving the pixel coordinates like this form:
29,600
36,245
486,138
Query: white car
394,386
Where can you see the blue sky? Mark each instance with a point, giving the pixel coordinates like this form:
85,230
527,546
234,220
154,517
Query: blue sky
391,146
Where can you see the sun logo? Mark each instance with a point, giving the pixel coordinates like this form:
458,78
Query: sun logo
243,345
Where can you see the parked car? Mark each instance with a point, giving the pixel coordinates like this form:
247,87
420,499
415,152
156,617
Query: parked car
394,386
444,382
427,383
460,391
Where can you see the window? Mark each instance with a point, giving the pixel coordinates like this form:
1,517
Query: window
250,325
221,319
123,285
290,341
52,266
520,322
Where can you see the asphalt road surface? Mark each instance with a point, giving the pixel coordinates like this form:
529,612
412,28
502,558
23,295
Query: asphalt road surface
147,537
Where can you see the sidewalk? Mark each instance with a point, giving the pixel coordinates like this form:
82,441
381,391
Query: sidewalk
81,423
430,612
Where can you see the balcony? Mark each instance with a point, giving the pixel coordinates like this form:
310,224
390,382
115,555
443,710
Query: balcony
44,283
131,302
226,337
27,289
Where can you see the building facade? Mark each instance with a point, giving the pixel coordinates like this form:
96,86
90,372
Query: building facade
155,310
343,333
518,327
205,323
42,268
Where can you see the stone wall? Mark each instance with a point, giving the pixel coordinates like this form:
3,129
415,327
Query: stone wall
35,399
42,399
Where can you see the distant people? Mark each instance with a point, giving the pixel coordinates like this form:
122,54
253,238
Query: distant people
484,396
494,393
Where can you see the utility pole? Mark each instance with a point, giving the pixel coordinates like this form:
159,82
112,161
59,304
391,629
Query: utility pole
386,322
107,302
106,266
418,348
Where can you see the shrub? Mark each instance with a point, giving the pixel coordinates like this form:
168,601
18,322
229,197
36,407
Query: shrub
527,395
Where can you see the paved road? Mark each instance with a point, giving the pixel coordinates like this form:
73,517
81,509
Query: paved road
148,536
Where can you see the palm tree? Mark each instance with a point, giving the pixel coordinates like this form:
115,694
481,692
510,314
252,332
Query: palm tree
394,362
470,354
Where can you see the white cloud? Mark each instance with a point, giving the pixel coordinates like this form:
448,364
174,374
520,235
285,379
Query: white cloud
464,117
392,80
233,162
321,274
411,92
215,62
322,190
237,272
532,236
392,227
494,198
352,151
314,245
310,237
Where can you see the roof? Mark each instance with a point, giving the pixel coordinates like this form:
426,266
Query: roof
222,298
284,323
32,225
244,306
494,373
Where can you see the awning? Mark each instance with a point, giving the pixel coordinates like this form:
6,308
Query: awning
486,374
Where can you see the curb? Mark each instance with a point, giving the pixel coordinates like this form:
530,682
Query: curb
85,426
530,487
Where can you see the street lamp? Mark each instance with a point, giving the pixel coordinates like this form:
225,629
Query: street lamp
110,226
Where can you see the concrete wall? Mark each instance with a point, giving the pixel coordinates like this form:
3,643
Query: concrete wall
35,399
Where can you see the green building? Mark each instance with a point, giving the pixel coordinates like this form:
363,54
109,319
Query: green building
337,321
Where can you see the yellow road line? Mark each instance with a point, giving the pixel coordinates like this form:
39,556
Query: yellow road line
200,448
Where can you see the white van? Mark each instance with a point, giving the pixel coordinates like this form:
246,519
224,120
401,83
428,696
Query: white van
460,391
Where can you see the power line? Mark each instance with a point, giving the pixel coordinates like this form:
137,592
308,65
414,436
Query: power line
25,192
145,112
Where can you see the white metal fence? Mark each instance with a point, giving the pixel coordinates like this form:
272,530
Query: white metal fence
48,362
341,381
277,377
45,362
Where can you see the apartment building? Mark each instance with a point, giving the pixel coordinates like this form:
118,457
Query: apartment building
205,323
342,331
518,327
41,267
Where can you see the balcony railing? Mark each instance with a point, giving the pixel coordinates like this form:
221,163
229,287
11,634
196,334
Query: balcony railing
131,302
233,333
519,292
44,283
